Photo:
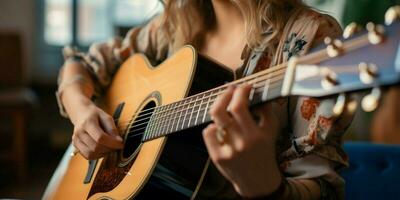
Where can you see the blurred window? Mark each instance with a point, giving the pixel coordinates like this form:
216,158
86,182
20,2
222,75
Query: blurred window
135,12
58,22
95,19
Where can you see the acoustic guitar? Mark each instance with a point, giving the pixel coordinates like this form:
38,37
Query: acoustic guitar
160,111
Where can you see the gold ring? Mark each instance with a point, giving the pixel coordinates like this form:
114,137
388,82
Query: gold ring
221,134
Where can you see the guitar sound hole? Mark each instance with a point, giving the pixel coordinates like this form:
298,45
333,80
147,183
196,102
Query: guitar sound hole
136,131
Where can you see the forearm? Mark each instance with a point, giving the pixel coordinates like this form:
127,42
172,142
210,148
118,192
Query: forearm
75,93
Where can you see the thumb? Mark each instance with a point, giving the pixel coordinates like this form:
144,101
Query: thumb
108,124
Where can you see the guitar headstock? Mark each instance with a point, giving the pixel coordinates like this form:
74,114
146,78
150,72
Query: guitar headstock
365,60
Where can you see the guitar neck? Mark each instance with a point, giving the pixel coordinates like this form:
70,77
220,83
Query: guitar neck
194,110
346,65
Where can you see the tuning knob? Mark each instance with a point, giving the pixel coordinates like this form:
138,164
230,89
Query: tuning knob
343,103
334,47
351,106
329,79
351,29
370,102
368,72
375,33
340,104
392,15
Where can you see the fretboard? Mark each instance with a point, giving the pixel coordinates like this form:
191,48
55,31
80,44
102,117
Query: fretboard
194,110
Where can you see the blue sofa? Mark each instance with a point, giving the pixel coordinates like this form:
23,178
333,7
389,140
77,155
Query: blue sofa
374,171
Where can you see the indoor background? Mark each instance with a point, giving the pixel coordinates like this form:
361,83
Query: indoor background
33,136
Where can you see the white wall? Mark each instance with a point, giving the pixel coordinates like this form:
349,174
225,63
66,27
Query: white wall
19,15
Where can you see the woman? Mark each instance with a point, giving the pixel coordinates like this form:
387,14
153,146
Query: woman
291,152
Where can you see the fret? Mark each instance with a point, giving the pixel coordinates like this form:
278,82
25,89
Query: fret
185,110
198,110
170,118
165,120
158,122
207,105
273,93
192,108
265,90
180,110
173,114
253,88
150,126
147,130
153,125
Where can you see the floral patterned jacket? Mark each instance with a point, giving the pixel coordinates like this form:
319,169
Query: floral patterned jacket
309,145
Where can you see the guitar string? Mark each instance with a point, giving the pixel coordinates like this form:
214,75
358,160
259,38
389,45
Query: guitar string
261,88
168,127
280,74
191,107
128,123
176,113
278,69
160,128
195,104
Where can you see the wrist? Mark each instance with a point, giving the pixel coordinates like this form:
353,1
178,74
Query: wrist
264,184
74,105
71,90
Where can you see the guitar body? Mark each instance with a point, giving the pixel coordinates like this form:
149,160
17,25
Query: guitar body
167,166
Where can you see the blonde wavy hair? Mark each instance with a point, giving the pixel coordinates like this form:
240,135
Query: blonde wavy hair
185,21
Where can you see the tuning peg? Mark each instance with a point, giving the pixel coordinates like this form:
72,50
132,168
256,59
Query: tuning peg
370,102
334,47
344,103
351,106
368,72
375,33
392,15
329,78
340,104
351,29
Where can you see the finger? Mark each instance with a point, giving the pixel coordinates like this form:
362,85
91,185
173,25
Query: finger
77,139
101,137
219,111
107,122
87,150
218,153
82,147
209,137
92,145
238,107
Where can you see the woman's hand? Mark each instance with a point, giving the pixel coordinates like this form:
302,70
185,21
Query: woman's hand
242,149
95,133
